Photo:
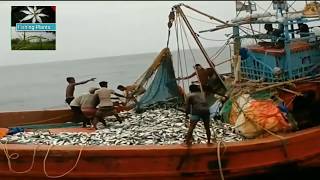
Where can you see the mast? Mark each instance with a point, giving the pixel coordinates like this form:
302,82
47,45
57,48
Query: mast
281,5
179,11
211,64
235,65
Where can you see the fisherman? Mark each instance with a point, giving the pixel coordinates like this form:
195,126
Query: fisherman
203,75
130,93
303,30
197,106
71,87
105,107
89,103
276,35
269,28
78,116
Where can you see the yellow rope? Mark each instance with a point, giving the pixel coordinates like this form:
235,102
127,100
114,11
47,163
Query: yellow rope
59,176
16,156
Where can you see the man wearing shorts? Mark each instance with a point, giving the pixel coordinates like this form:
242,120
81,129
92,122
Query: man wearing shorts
71,86
197,106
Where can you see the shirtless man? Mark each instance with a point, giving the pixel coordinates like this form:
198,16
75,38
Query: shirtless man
105,107
197,106
71,86
203,75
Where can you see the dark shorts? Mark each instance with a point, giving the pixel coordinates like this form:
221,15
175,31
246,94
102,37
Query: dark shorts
76,109
77,116
195,117
105,111
69,99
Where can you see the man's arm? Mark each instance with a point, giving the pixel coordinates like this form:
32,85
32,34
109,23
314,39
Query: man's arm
188,77
83,82
129,95
119,95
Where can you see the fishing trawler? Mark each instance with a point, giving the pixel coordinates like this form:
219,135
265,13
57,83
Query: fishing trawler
286,64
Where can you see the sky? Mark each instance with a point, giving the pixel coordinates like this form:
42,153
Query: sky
112,28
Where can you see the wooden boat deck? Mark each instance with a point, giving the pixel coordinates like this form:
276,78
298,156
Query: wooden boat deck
258,156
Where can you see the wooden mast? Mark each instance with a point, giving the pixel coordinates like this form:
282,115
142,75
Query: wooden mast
235,66
211,64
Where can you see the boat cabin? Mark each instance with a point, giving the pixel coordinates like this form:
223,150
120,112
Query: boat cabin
289,52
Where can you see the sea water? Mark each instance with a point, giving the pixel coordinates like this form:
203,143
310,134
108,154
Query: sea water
42,86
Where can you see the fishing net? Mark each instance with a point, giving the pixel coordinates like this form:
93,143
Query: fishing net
226,108
163,88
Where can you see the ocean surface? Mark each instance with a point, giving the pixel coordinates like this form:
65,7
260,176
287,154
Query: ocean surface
42,86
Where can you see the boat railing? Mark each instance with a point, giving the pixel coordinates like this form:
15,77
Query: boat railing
254,68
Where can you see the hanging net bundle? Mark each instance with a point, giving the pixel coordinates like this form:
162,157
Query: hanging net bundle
163,88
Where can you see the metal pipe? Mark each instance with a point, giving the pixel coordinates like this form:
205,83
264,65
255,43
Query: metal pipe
211,17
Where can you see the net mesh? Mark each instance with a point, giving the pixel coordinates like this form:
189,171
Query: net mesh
163,87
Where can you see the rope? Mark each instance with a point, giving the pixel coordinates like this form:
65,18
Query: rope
267,8
290,6
220,50
219,160
218,64
178,47
179,60
200,20
250,29
59,176
260,7
185,34
208,39
179,64
171,19
190,49
168,37
240,8
255,39
184,58
16,156
241,28
282,139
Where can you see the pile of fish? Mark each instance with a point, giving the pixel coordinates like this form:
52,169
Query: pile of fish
158,127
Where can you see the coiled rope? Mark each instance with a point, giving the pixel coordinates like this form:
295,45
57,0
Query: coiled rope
16,156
